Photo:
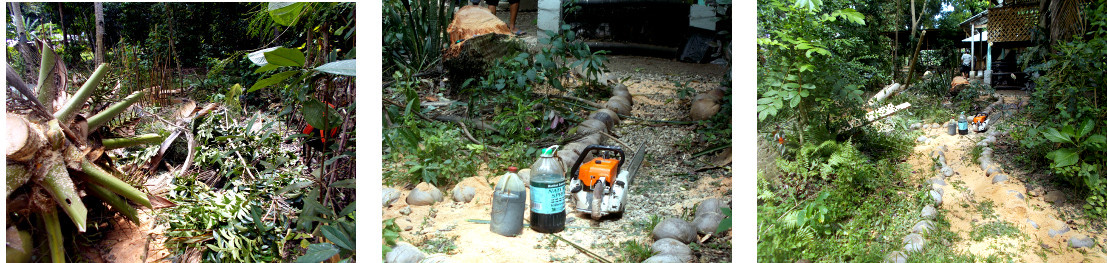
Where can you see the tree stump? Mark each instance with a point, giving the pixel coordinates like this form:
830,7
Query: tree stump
477,39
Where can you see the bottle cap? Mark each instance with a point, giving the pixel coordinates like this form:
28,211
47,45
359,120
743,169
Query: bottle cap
548,152
512,169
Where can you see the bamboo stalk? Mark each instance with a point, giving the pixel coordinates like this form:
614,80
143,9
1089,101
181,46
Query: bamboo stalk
56,181
46,93
98,176
116,143
107,114
54,236
75,104
118,203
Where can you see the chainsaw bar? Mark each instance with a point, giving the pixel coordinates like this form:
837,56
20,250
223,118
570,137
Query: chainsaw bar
634,164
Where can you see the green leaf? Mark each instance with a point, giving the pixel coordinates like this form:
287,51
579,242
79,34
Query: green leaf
341,67
285,57
272,80
266,68
285,13
318,253
1085,129
320,116
851,15
796,101
338,236
1055,136
1064,157
1096,141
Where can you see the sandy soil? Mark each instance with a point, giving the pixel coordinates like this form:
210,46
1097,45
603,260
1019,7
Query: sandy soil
969,187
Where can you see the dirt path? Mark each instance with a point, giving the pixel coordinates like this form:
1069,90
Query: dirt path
984,213
667,186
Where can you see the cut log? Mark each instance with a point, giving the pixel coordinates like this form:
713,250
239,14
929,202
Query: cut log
884,93
23,139
958,84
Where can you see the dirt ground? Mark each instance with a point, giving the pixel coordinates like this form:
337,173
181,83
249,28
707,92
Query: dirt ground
667,185
126,242
1012,202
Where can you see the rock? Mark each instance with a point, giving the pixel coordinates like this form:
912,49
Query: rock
1054,197
913,243
406,210
987,151
992,170
922,139
895,257
938,153
703,107
1032,223
947,172
664,259
607,116
942,160
424,194
669,246
929,212
404,253
675,228
390,195
937,197
524,175
710,205
708,222
1035,192
1017,194
936,181
923,227
1057,232
999,178
943,148
463,194
916,126
1080,240
938,189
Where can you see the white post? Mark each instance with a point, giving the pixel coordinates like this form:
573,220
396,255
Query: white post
972,45
549,16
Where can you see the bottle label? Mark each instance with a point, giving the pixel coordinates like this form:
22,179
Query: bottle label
547,198
962,126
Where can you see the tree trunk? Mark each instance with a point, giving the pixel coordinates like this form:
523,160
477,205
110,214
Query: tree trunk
65,34
99,56
914,22
29,53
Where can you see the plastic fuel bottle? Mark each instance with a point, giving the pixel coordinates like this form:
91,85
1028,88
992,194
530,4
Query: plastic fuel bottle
508,204
962,125
952,126
547,193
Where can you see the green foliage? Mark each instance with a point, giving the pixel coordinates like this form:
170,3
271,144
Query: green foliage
634,251
390,234
431,151
807,72
828,203
414,34
1065,103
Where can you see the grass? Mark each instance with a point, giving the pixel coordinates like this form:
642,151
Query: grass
993,229
634,251
439,244
987,209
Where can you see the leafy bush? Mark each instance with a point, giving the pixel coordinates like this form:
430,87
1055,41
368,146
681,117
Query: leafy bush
1066,103
801,79
415,34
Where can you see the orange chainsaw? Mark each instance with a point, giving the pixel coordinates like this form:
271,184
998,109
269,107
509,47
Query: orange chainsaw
599,186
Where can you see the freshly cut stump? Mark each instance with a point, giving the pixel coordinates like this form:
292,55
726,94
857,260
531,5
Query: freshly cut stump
477,40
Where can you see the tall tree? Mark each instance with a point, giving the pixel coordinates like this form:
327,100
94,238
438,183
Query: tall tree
99,56
1062,19
29,53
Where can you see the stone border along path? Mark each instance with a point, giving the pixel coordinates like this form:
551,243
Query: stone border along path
1007,196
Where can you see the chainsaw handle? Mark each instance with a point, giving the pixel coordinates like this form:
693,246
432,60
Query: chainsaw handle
575,170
